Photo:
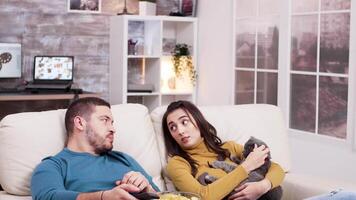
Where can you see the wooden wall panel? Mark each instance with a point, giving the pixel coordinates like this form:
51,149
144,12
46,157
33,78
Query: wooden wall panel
66,45
34,6
11,23
69,24
46,28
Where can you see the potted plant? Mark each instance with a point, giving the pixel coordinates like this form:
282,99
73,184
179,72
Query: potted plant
183,62
147,7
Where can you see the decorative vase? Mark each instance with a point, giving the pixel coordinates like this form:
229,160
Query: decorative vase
172,83
147,8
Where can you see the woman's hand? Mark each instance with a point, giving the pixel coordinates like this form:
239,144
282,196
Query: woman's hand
255,159
251,190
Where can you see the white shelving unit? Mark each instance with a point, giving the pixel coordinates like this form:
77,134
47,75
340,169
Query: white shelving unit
149,60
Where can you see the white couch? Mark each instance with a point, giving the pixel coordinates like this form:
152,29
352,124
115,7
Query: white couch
26,138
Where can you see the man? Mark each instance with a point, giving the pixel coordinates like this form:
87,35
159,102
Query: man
87,168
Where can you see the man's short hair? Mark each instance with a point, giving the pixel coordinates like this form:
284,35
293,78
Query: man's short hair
83,107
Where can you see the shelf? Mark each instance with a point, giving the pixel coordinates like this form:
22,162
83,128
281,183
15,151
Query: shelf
150,102
178,32
167,99
160,18
145,36
143,56
177,93
140,53
143,71
142,94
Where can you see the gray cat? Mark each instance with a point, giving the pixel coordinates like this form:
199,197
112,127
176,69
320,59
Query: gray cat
254,176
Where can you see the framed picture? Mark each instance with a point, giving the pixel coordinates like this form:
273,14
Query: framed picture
188,7
84,6
177,7
168,45
10,60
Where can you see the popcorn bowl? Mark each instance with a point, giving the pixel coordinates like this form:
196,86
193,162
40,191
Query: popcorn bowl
175,195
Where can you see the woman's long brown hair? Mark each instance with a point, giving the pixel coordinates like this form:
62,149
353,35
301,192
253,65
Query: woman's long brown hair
207,131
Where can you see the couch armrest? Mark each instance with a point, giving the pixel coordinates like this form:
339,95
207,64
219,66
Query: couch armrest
300,186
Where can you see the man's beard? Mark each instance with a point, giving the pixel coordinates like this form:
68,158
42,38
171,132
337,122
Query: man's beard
97,142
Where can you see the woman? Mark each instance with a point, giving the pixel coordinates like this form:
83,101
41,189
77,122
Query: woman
192,144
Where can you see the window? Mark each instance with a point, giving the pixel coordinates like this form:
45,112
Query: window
256,51
319,66
312,82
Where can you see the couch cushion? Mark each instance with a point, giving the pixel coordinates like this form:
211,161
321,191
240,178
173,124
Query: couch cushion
26,138
135,136
238,123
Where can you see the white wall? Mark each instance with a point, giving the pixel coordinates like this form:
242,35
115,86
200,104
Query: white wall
312,156
215,52
323,157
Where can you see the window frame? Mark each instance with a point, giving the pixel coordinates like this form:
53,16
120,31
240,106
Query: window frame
285,72
351,117
255,70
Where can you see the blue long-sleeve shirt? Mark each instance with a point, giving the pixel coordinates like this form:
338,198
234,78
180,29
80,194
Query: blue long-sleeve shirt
69,173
